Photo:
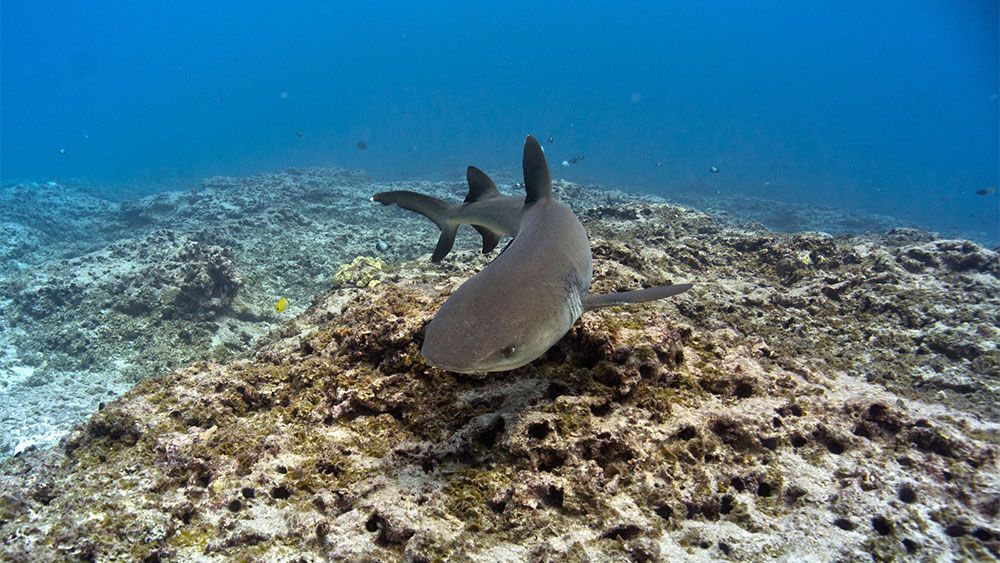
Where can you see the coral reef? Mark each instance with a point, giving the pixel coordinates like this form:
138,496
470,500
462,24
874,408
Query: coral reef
811,395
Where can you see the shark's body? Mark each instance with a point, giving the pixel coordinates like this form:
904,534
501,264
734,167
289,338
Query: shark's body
493,214
524,301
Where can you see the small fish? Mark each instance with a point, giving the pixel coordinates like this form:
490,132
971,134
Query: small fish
281,305
362,145
300,134
565,163
576,159
551,139
713,169
986,191
381,245
659,165
62,151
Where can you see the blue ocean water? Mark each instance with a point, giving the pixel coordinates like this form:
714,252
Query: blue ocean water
889,107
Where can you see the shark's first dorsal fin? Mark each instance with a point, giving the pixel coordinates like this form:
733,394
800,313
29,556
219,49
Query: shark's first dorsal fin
480,185
537,180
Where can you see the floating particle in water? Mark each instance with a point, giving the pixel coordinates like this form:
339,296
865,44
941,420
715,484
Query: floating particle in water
381,245
300,134
281,305
713,169
362,145
551,139
62,151
635,97
659,165
986,191
284,95
565,163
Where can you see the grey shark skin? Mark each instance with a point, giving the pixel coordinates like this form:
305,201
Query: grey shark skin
493,214
523,302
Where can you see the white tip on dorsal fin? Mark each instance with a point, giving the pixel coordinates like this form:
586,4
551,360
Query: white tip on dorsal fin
537,180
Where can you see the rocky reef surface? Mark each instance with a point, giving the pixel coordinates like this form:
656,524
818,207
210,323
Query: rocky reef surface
811,397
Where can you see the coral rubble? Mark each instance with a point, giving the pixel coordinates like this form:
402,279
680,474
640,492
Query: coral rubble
811,395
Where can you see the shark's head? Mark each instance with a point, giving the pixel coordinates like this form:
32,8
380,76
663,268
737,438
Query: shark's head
471,334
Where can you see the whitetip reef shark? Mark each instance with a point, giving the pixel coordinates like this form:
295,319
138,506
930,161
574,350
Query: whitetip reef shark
526,299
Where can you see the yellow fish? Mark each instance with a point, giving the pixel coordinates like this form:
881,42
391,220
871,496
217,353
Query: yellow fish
281,305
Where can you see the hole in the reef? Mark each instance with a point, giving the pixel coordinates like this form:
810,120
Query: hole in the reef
738,483
280,492
743,390
726,504
863,430
686,433
556,390
539,430
664,512
907,494
910,545
204,478
187,516
622,532
647,371
771,442
235,505
982,534
372,523
602,409
776,422
329,420
497,506
282,469
765,489
427,465
844,524
793,494
321,530
704,545
709,458
798,440
489,435
549,459
956,530
678,357
554,497
328,468
836,447
725,548
882,525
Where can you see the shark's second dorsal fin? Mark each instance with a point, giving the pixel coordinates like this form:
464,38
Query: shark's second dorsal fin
480,185
537,180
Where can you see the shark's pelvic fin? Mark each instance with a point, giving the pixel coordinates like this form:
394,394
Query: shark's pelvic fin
651,294
437,210
537,180
481,186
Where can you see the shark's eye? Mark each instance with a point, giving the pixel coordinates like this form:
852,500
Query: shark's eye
508,351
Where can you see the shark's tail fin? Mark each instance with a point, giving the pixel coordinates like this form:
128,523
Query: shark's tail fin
437,210
653,293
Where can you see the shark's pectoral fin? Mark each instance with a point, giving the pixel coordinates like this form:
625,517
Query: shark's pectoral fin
445,242
651,294
490,238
